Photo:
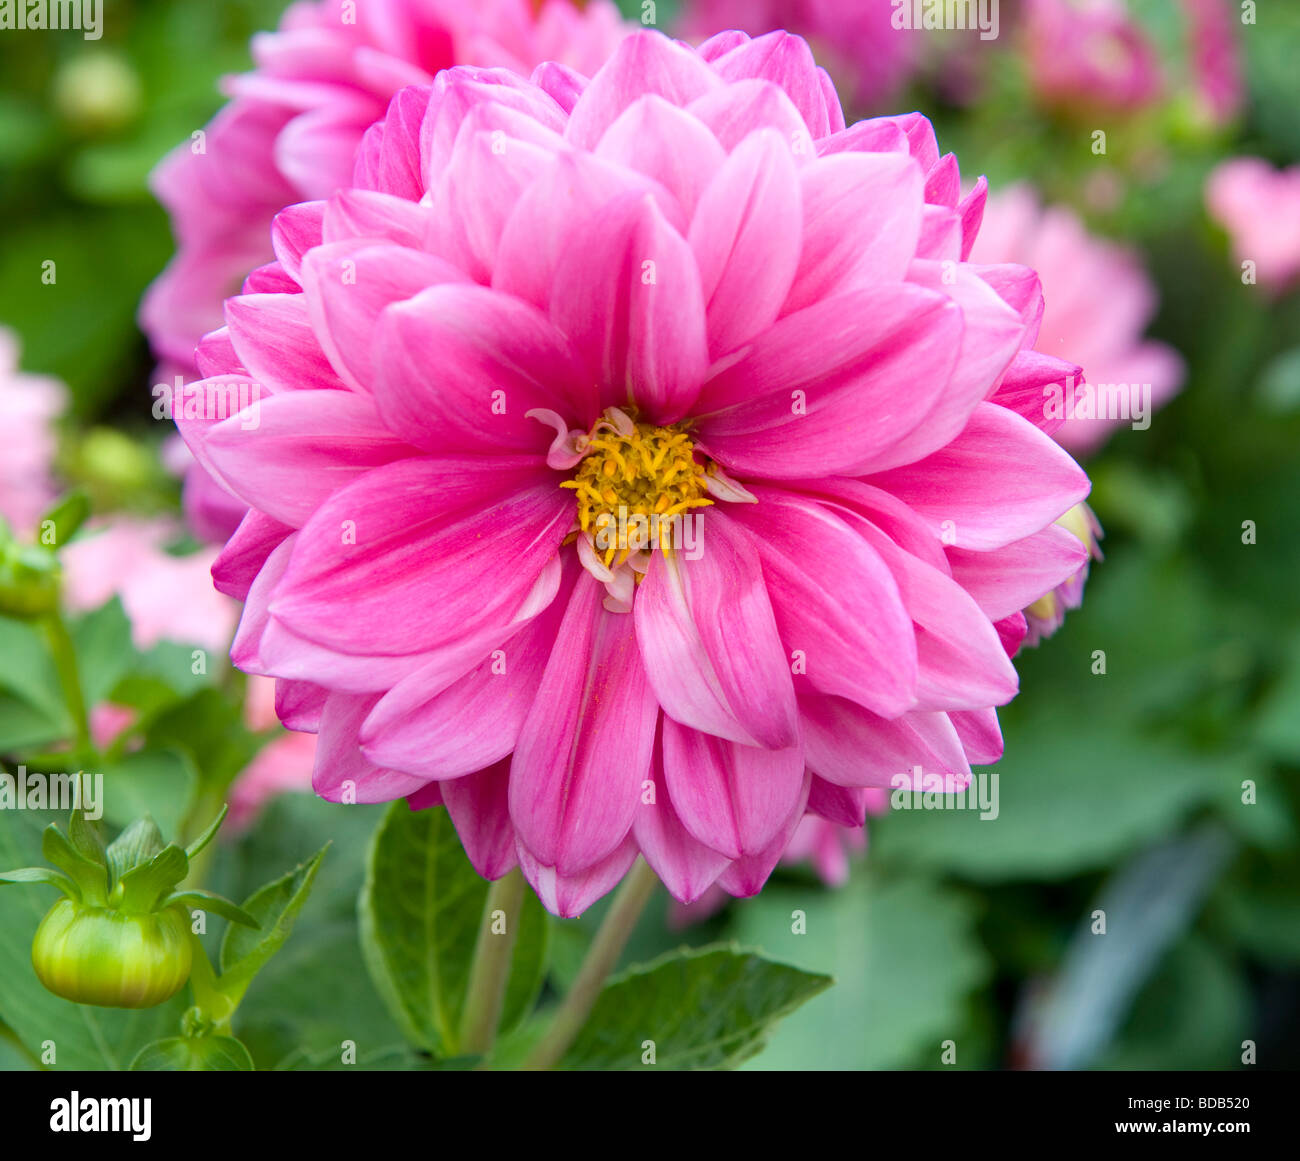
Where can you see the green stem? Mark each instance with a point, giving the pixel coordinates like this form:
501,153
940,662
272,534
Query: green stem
217,1006
602,956
490,970
64,653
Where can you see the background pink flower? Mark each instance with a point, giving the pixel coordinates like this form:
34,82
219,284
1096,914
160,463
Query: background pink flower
1086,54
29,406
1098,300
165,597
1259,206
688,289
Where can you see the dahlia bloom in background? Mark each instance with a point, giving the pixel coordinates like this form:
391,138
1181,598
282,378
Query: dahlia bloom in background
290,131
1099,300
1089,54
1259,206
548,308
29,406
1214,59
869,58
283,765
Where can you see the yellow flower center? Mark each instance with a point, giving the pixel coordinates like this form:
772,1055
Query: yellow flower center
650,472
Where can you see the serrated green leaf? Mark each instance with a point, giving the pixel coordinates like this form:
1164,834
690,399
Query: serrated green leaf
245,952
199,1054
421,909
707,1008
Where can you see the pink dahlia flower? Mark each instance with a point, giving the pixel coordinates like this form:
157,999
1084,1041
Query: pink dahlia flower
29,406
870,57
1214,58
1099,300
1047,614
1089,54
548,310
1259,206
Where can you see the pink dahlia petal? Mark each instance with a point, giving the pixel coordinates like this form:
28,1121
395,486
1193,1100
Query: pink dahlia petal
733,798
687,866
632,303
644,64
348,284
747,874
400,538
999,481
288,461
479,807
786,61
274,339
569,895
838,607
571,806
1008,579
342,774
499,359
709,639
816,394
850,746
245,553
746,238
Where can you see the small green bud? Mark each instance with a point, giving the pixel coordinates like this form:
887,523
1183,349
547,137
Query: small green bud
30,579
96,955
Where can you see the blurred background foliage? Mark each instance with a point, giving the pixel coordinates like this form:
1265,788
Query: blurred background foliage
1120,791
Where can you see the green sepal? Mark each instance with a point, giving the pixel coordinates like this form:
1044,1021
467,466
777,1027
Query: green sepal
140,888
68,514
44,875
206,901
207,836
87,837
136,845
90,877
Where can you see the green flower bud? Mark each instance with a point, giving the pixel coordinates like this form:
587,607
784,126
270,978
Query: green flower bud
29,581
95,955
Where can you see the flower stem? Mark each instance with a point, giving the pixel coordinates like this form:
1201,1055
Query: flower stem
64,653
603,954
490,970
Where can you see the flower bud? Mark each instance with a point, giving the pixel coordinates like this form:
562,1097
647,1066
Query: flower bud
115,959
29,581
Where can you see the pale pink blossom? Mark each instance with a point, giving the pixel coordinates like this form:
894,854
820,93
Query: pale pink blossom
1098,300
29,407
165,597
1089,54
1214,58
681,286
1259,206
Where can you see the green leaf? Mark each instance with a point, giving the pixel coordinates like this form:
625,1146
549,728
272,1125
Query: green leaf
710,1008
421,909
141,887
67,515
104,650
904,952
198,1054
88,837
156,782
28,675
274,907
